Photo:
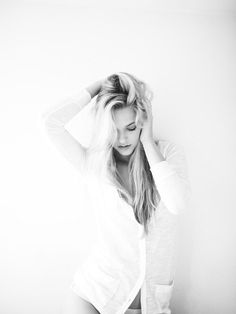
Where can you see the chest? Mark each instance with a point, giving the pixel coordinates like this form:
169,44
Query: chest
124,175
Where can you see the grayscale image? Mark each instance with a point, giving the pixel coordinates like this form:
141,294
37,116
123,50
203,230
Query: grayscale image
117,172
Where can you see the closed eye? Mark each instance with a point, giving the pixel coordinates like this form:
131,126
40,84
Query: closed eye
132,129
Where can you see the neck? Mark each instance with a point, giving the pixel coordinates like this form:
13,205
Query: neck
120,158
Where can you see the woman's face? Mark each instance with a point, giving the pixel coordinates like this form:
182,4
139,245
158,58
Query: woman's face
128,132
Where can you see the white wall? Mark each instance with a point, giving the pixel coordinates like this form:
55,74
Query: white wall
186,52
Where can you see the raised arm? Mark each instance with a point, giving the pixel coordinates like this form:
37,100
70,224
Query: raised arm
55,119
171,177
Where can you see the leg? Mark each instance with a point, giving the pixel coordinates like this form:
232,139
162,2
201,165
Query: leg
76,305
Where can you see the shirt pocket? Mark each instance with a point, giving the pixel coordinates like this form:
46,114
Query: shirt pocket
163,295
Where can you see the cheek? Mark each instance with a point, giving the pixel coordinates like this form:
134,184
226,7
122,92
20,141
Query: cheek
135,136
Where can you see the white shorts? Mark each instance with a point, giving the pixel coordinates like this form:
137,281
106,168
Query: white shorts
133,311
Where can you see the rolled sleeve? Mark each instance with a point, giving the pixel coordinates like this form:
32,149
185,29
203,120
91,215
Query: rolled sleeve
171,179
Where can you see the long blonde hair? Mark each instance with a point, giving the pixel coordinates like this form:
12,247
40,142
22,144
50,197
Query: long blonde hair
121,90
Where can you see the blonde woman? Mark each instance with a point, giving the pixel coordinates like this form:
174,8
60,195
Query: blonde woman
138,186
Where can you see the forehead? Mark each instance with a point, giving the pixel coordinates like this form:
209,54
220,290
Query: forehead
124,116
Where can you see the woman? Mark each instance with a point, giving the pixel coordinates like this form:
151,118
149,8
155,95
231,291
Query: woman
138,185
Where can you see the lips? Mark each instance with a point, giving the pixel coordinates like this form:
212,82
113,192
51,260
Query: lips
124,146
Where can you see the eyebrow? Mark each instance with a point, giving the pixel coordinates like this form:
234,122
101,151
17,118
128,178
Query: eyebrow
130,123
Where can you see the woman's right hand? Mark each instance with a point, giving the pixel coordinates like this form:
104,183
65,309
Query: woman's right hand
95,87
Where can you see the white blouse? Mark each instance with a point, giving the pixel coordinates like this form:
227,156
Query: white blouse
125,260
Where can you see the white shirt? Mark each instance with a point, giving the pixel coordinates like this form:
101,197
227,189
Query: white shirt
124,259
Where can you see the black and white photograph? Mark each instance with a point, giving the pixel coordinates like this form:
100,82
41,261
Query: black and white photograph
117,173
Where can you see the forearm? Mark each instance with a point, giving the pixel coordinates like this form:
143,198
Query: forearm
54,122
66,109
170,176
152,152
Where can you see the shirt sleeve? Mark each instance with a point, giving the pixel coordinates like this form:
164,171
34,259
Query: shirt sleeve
54,121
171,179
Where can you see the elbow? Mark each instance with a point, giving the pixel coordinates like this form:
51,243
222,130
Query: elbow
179,202
45,120
180,207
51,123
176,209
45,116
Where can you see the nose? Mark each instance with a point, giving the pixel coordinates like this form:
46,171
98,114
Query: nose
122,139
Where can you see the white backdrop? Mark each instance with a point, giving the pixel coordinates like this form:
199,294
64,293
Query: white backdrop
49,50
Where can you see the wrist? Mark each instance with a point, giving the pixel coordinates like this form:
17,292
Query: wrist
152,152
94,88
148,141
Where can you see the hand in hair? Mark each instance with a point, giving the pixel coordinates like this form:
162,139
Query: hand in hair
95,87
147,127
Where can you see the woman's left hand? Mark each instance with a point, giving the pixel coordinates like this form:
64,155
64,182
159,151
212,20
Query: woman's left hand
147,132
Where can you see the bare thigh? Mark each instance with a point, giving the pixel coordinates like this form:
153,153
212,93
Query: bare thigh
76,305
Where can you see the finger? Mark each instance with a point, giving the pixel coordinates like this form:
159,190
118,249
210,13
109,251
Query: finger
149,111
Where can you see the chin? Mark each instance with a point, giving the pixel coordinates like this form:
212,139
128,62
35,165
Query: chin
127,153
124,154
